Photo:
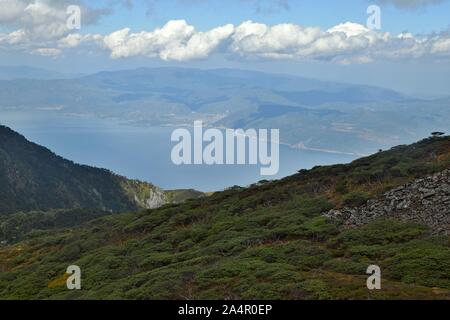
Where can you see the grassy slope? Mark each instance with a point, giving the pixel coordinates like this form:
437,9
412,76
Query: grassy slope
266,241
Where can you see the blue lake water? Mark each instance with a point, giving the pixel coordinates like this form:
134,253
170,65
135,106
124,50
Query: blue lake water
144,153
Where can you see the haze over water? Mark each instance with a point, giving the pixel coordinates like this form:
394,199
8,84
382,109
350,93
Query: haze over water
144,152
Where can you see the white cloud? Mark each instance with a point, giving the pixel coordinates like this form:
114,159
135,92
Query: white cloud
40,19
74,40
11,10
297,42
48,52
350,29
283,40
39,23
176,40
40,29
14,38
345,43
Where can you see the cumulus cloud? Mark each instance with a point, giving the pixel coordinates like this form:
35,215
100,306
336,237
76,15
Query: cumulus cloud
41,29
40,22
178,41
75,40
344,43
174,41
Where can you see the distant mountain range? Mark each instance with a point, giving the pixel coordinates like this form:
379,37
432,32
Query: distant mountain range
24,72
310,114
34,178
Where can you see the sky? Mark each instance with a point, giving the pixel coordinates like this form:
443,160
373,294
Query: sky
398,44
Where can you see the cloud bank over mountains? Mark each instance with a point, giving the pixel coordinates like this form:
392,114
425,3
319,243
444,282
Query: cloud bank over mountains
39,27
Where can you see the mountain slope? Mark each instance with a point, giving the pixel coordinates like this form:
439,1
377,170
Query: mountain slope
268,241
34,178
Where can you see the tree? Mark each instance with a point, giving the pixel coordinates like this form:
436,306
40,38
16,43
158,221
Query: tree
437,134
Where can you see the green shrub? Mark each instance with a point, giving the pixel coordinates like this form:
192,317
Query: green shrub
356,198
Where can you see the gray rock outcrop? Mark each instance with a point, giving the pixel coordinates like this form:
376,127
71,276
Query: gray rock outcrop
425,201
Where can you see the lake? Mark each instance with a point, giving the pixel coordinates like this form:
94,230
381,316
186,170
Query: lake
144,153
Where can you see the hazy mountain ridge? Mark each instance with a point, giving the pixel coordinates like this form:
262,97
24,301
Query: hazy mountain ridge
25,72
358,119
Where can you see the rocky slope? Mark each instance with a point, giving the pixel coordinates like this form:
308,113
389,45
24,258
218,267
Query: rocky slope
425,201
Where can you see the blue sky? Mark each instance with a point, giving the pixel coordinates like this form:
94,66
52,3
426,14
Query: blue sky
322,13
321,39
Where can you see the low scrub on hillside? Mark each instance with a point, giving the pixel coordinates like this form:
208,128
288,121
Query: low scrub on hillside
269,241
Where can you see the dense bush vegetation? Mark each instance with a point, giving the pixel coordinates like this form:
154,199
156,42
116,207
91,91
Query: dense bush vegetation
269,241
15,226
